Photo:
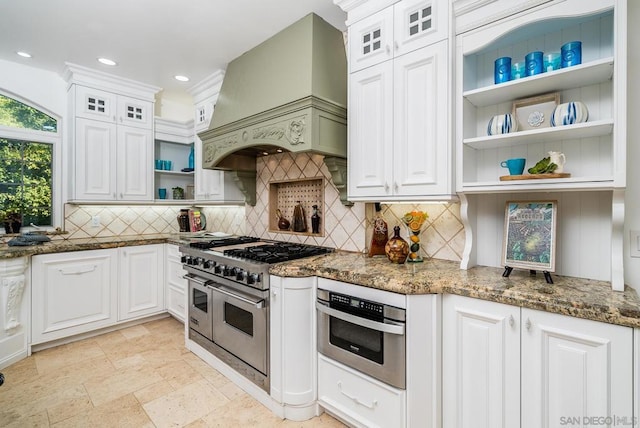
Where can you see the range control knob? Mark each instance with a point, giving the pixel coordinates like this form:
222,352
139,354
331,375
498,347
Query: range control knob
253,278
241,274
208,264
226,271
183,259
219,269
190,260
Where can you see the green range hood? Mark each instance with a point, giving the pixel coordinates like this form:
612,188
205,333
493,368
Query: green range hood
287,94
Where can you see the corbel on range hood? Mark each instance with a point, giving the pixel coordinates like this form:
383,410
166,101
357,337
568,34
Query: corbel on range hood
287,94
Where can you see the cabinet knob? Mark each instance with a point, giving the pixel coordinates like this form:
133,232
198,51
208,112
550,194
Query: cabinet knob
386,187
528,324
387,49
396,46
511,320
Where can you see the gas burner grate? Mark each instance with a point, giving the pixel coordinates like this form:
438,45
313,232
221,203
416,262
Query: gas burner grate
224,242
278,252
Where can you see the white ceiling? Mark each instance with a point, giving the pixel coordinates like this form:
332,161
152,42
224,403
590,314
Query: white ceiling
152,40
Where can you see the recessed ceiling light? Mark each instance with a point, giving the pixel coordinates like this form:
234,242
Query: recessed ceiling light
24,54
265,153
107,61
181,78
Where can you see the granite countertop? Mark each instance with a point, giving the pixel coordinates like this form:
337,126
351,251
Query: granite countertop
582,298
59,244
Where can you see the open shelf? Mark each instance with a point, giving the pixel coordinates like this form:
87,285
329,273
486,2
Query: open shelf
580,130
566,78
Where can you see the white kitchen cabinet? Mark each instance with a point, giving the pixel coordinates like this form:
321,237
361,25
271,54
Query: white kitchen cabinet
360,400
176,285
110,161
141,281
396,30
210,185
398,138
111,154
595,150
574,368
481,363
293,345
73,293
96,104
399,110
505,366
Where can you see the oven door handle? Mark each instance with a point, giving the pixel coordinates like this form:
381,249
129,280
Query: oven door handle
395,328
258,304
197,280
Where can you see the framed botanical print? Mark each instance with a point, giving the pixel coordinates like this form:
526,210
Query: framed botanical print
530,235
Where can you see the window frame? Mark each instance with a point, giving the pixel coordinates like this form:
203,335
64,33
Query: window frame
49,137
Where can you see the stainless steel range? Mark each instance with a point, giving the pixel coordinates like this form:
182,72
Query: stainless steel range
229,298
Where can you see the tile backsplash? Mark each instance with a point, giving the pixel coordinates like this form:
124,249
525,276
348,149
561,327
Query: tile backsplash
118,220
345,228
349,228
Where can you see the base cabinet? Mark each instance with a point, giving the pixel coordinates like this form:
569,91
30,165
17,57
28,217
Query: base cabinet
176,285
481,364
73,293
359,399
561,370
293,346
141,281
82,291
575,369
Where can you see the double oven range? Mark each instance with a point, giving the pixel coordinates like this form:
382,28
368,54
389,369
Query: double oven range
229,298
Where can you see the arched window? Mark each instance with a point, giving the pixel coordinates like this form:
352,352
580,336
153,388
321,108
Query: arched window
27,138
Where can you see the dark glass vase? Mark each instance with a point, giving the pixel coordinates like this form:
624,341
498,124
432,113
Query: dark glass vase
397,248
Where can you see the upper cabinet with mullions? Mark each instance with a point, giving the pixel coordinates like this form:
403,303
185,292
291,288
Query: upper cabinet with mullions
105,106
405,27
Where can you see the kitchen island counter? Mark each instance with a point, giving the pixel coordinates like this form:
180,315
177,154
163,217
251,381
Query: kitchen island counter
578,297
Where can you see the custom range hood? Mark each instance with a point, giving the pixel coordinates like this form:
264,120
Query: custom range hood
287,94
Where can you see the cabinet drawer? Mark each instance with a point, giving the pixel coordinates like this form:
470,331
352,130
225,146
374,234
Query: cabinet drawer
357,398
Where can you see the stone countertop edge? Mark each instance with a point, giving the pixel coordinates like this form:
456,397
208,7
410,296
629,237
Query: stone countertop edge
61,245
577,297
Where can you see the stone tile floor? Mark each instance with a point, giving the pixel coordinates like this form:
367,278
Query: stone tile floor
141,376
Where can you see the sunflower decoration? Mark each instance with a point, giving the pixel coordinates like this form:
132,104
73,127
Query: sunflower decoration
414,221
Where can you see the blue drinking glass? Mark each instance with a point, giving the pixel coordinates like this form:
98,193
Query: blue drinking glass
502,70
533,63
571,54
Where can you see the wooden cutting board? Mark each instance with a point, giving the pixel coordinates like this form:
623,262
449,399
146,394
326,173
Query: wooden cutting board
534,176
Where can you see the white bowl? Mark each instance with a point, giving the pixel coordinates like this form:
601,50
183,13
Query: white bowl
502,124
569,113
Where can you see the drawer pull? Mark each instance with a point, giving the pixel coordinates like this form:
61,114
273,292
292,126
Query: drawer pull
356,399
79,270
